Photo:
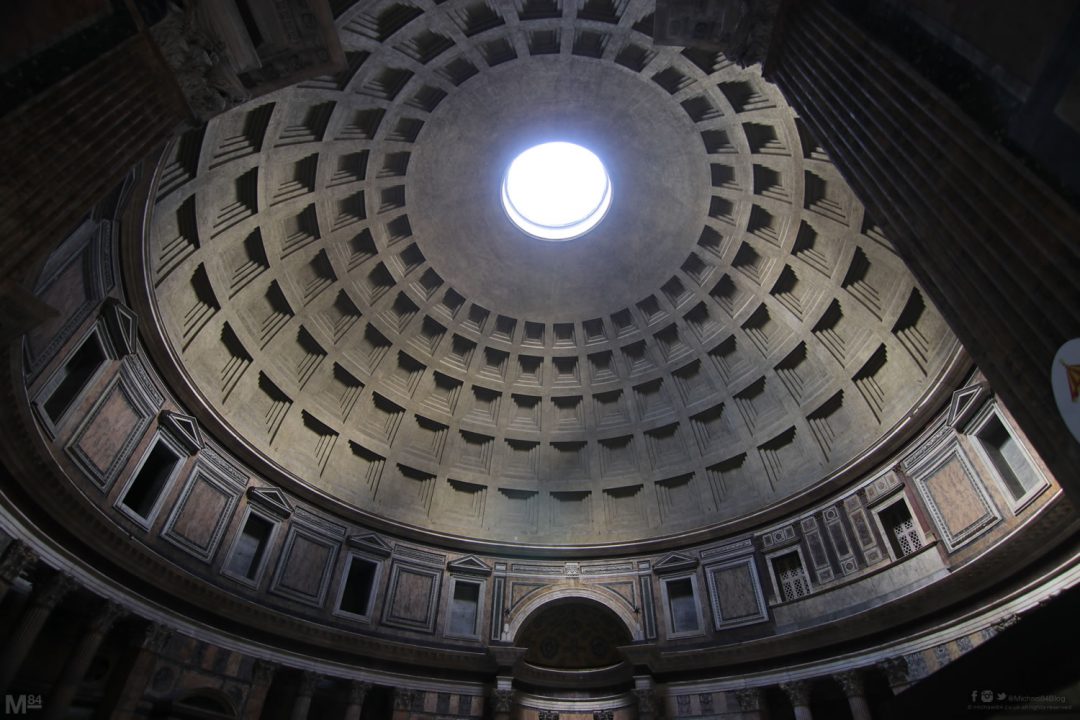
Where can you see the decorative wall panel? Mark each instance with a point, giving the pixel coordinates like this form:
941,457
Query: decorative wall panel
202,513
413,597
303,572
735,592
954,495
104,442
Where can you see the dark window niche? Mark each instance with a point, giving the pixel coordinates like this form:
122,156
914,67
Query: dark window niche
149,482
1008,458
356,595
464,608
74,377
248,552
683,605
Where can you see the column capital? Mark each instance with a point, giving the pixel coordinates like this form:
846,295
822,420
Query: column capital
17,557
154,637
852,682
798,691
749,699
502,699
358,690
404,698
48,593
896,670
106,616
646,700
263,672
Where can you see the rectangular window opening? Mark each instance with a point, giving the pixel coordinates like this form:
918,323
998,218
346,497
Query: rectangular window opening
77,373
1008,458
900,529
684,616
464,608
250,546
356,596
149,482
791,577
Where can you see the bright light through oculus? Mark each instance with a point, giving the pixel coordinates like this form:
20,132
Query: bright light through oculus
556,191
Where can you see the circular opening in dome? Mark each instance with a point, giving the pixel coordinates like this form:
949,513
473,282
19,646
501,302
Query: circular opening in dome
556,191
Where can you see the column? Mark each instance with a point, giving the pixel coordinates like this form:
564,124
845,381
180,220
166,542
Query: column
852,684
63,692
994,247
404,699
502,697
644,689
302,702
896,671
358,691
749,701
17,557
44,597
798,692
149,643
262,674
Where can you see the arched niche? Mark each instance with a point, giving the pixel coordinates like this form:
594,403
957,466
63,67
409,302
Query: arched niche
571,651
609,602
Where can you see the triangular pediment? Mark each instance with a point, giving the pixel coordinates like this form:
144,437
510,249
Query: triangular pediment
965,402
675,562
371,543
271,499
122,324
183,428
471,565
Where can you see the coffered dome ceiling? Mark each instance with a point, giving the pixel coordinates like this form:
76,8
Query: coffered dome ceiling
339,287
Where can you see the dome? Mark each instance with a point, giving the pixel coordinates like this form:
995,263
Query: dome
310,413
348,301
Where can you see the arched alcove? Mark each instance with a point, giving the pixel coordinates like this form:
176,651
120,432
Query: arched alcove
614,604
573,634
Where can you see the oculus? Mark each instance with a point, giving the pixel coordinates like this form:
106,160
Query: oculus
556,191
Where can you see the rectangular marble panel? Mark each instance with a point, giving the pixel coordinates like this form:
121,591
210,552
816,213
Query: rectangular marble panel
412,598
822,567
839,538
106,439
735,592
863,533
201,514
65,290
303,571
955,497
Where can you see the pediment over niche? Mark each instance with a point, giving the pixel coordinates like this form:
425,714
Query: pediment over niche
271,499
470,565
965,402
372,543
122,324
675,562
183,428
